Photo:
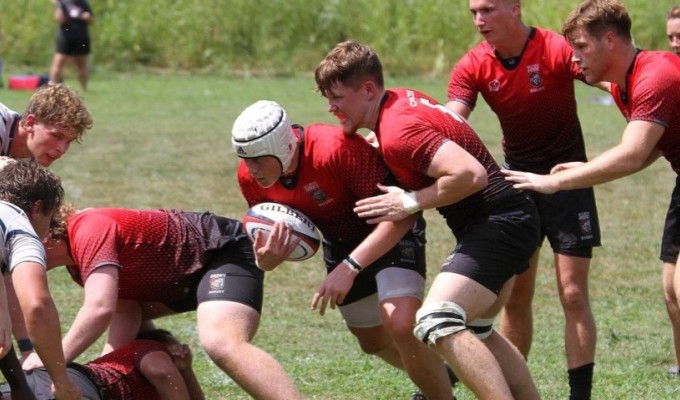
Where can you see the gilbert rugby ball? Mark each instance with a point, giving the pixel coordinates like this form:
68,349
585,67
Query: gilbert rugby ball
262,217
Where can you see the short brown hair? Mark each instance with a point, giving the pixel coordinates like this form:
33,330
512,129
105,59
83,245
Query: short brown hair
56,103
24,182
349,63
674,12
599,17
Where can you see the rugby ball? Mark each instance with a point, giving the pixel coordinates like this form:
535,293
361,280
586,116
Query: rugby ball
263,216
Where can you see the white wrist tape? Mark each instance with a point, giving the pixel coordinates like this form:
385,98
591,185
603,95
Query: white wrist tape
409,202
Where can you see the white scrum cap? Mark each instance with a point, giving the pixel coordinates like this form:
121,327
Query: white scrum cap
263,129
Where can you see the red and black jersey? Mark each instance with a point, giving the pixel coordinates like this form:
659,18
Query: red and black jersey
653,94
156,251
411,129
117,374
533,99
334,172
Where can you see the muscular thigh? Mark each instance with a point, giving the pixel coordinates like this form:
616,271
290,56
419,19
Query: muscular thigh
492,251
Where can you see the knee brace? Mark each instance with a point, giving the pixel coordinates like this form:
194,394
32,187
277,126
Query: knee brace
482,327
438,319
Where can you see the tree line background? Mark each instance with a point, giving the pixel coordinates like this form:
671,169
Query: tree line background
278,37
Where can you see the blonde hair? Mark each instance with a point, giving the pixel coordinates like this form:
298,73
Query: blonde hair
57,104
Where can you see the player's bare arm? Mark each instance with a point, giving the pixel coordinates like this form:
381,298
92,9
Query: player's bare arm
636,151
99,306
458,175
337,284
459,108
5,322
42,324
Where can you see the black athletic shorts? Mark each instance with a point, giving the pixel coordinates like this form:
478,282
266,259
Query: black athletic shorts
73,46
670,243
41,384
569,220
229,272
408,254
493,249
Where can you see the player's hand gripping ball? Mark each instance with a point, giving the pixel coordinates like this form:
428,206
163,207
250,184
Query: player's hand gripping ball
263,216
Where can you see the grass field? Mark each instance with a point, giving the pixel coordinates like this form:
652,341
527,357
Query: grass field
163,141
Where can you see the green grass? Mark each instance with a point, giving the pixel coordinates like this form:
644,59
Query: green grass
243,37
163,141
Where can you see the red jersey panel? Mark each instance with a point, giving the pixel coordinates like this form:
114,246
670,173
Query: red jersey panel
653,94
334,172
117,374
534,101
155,250
411,129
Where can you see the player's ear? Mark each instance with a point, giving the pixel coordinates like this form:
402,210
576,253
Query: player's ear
370,88
29,120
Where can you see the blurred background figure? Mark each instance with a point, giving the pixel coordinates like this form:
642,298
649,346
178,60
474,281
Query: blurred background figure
73,38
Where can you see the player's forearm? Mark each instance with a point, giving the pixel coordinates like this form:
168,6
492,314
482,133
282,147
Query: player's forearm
192,384
42,323
88,326
384,237
18,325
610,165
450,189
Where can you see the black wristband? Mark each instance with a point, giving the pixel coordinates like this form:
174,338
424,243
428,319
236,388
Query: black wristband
25,345
354,264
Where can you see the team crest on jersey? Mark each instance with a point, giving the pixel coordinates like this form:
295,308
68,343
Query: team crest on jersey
494,85
315,191
535,78
586,225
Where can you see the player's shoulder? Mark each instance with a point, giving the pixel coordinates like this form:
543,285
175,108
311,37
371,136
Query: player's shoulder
7,115
12,217
479,53
97,217
659,68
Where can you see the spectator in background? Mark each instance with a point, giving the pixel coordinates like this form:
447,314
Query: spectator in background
673,29
73,38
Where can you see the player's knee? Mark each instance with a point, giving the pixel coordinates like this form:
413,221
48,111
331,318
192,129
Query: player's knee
399,326
574,299
373,342
481,327
439,319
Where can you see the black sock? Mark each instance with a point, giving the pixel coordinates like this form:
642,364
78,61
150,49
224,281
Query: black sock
581,382
452,375
14,375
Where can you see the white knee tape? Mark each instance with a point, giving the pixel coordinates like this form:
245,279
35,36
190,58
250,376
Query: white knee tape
438,319
482,327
